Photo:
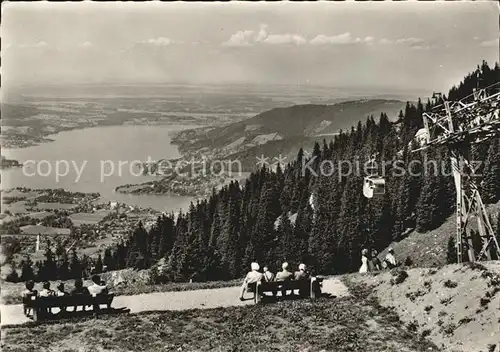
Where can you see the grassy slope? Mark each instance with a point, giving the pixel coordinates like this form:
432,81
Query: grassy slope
354,323
456,306
430,248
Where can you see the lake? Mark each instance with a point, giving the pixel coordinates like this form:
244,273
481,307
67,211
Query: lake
97,159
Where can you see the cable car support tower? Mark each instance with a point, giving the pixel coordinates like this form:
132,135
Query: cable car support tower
459,125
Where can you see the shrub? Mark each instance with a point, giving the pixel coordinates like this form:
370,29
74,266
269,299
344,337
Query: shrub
492,347
450,284
399,276
413,295
465,321
12,276
494,280
484,302
449,329
426,333
446,301
428,308
408,261
156,276
412,326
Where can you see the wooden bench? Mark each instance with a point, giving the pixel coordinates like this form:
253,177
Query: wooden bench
42,305
307,288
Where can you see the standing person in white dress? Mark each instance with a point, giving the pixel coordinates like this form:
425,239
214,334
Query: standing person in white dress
364,261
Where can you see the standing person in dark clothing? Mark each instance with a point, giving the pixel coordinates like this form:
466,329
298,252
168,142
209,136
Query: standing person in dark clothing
376,264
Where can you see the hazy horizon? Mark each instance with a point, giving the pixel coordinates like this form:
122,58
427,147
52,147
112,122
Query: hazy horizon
407,46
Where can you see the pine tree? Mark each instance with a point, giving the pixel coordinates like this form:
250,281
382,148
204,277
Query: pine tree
428,207
27,269
108,261
75,268
491,182
13,276
85,265
49,264
63,271
98,264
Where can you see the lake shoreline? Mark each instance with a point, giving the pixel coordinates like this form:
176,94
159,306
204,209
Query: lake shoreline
44,136
95,147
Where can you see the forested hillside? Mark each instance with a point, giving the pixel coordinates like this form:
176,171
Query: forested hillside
292,125
219,237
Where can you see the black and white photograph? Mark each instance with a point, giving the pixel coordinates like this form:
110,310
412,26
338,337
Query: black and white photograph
250,176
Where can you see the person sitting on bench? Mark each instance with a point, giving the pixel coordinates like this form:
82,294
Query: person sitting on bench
60,293
250,281
268,276
284,275
302,275
79,290
30,293
60,290
103,283
46,292
97,288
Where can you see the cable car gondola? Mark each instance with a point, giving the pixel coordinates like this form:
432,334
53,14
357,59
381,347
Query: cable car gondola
373,185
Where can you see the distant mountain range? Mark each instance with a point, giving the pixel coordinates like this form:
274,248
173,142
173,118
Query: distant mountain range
281,130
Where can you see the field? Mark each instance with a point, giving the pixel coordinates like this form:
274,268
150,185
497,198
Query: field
88,218
355,323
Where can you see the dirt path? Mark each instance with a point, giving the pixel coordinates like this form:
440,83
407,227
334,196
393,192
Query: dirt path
203,299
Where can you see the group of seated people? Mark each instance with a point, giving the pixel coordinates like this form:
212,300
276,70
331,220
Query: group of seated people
255,276
98,287
371,263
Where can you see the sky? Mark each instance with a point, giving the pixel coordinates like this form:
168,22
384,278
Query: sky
403,45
